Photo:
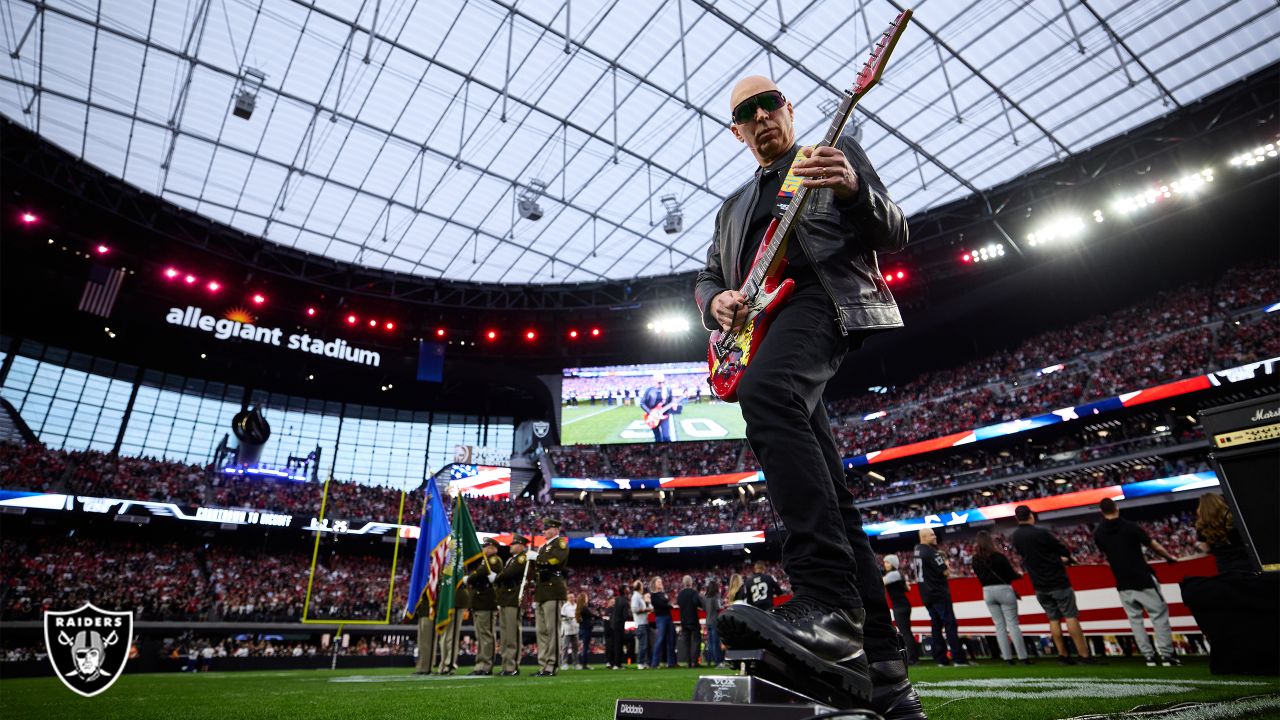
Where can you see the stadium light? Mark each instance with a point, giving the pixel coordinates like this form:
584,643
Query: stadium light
311,312
258,298
103,249
673,223
669,325
491,336
214,286
1066,227
190,279
29,218
573,334
1257,155
352,319
1185,185
993,251
170,273
389,326
595,332
373,322
440,332
530,335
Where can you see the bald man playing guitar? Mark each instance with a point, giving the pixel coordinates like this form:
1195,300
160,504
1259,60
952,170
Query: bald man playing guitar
836,632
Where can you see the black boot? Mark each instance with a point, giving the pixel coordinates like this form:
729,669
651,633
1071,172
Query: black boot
891,693
821,642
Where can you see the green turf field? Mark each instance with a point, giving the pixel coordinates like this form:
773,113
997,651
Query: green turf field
600,424
992,690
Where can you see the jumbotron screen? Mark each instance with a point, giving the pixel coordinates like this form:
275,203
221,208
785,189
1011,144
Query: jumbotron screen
665,402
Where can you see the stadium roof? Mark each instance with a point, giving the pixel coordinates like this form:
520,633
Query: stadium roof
398,134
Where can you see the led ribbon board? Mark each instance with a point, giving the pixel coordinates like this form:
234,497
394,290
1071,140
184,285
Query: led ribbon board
1131,399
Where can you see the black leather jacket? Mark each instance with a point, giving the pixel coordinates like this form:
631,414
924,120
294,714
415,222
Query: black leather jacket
840,238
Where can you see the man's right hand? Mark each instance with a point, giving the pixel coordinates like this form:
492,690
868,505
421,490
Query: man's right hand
729,309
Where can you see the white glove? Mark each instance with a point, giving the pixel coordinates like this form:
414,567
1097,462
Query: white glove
493,576
532,554
466,579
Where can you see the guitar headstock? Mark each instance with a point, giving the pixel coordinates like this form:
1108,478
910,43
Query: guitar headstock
871,71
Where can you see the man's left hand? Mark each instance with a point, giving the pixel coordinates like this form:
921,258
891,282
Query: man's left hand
827,167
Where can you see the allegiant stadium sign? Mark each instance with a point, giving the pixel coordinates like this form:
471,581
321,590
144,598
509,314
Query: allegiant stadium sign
228,329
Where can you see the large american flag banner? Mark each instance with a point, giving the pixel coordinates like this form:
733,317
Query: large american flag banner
100,290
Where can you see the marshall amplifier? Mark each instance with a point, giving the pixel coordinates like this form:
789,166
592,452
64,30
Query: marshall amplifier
1246,456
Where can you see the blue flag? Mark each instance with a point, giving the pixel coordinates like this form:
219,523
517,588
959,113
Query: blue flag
429,557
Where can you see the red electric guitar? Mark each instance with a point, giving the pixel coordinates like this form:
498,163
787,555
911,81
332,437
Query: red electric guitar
729,353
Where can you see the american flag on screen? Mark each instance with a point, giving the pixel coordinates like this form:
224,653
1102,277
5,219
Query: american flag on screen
480,481
100,290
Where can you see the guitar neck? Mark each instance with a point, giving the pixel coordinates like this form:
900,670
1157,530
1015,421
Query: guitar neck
867,78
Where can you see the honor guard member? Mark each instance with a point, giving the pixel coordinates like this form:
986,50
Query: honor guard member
508,585
484,603
549,564
426,636
451,637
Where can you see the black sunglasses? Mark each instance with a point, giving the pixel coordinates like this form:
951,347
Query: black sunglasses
768,101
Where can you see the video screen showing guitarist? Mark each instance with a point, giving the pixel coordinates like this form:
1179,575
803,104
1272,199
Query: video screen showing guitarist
659,403
838,625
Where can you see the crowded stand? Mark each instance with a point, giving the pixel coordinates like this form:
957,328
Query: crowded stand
31,467
159,581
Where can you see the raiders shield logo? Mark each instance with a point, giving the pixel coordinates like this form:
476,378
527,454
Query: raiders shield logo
88,646
541,428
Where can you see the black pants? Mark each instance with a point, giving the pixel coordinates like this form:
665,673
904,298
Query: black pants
825,553
942,617
902,618
691,641
614,644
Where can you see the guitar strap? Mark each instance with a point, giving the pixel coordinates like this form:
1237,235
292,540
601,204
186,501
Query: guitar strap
791,183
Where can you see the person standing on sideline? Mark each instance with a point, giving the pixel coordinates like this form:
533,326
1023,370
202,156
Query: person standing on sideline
664,636
935,592
484,603
1122,542
996,574
569,631
737,590
690,602
549,563
711,606
507,585
640,616
586,618
615,629
761,588
1045,559
896,585
1217,534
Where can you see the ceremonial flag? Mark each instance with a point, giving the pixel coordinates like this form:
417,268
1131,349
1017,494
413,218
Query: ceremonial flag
429,557
464,549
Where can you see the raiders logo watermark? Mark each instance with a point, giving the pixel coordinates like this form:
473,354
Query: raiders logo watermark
88,646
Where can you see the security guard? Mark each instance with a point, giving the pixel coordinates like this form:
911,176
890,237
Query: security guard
484,602
550,592
508,585
451,636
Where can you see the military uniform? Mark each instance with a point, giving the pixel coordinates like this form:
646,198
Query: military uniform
425,638
507,588
450,637
484,604
548,594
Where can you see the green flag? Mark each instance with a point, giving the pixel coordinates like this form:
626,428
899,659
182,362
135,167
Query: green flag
464,549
